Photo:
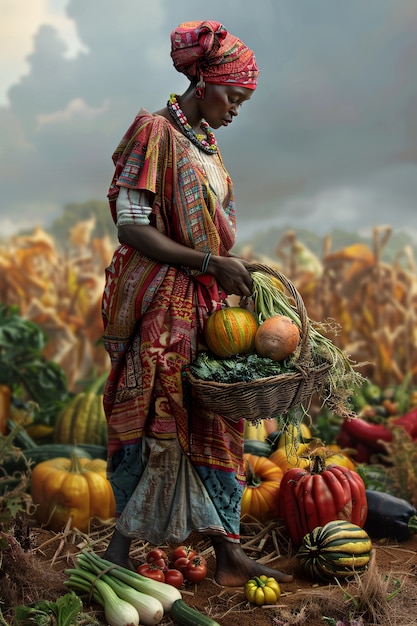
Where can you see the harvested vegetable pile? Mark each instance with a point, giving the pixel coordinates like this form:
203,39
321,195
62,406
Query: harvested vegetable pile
37,572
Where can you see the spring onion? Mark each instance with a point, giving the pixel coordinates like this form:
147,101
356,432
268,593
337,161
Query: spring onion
118,612
166,594
150,609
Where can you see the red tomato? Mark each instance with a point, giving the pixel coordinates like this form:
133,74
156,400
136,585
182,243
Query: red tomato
150,570
155,555
174,577
181,563
196,569
161,563
183,551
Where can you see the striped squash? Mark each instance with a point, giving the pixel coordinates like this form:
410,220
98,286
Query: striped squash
338,549
82,421
230,331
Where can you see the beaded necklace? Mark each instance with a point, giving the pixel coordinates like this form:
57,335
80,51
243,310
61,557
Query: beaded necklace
208,141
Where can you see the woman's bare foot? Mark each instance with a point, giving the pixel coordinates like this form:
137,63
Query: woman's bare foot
118,550
234,568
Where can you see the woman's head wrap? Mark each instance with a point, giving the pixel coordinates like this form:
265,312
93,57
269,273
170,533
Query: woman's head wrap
207,51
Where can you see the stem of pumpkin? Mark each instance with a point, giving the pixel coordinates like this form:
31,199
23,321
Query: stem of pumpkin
252,479
75,467
319,465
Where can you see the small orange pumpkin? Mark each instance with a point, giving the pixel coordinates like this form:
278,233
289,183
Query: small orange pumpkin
230,331
260,495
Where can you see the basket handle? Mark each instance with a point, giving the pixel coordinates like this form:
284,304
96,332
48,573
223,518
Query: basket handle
304,354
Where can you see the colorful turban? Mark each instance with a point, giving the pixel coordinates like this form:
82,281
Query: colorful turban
207,51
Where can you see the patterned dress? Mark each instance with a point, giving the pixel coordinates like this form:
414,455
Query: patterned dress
175,466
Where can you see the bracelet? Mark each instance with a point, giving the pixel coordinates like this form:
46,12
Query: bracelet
205,262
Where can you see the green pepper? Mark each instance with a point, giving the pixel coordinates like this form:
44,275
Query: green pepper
261,590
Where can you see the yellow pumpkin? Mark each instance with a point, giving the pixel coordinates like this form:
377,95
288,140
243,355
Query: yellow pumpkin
73,489
260,495
290,449
333,455
287,458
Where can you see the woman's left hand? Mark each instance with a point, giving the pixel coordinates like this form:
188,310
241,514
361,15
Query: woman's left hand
232,275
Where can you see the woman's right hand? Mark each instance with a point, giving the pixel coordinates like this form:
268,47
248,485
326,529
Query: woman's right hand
231,274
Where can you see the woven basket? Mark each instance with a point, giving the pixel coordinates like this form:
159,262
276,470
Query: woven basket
272,396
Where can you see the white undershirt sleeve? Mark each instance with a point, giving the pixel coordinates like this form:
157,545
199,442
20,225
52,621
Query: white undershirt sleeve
132,207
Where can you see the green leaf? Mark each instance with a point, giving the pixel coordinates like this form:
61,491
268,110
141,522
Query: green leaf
68,607
24,369
65,610
31,615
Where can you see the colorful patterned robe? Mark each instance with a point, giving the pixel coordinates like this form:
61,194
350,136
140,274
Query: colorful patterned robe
175,466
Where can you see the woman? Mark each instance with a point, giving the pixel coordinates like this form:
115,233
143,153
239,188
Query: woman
176,467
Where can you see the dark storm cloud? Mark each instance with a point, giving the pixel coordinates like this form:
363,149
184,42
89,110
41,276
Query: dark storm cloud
328,139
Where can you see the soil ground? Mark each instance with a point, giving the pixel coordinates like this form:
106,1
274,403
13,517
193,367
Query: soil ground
34,568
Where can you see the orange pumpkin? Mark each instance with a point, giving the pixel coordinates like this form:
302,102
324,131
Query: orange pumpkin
260,495
73,489
230,331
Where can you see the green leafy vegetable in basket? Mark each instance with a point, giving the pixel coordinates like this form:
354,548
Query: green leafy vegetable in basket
270,299
236,369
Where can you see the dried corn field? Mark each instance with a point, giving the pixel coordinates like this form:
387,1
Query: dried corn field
61,292
372,304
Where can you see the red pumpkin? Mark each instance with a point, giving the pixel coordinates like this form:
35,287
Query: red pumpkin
230,331
260,495
313,497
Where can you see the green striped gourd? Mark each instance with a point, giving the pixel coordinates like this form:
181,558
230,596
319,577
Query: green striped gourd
83,420
230,331
338,549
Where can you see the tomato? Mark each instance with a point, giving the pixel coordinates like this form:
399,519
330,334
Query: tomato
181,563
150,570
161,563
174,577
196,569
156,555
183,551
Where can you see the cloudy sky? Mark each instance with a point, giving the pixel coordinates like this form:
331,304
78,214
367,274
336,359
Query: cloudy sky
329,139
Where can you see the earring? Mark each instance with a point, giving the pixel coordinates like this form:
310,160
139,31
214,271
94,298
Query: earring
200,89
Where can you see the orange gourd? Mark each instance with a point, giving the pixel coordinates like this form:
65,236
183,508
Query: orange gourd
73,489
260,495
230,331
277,337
